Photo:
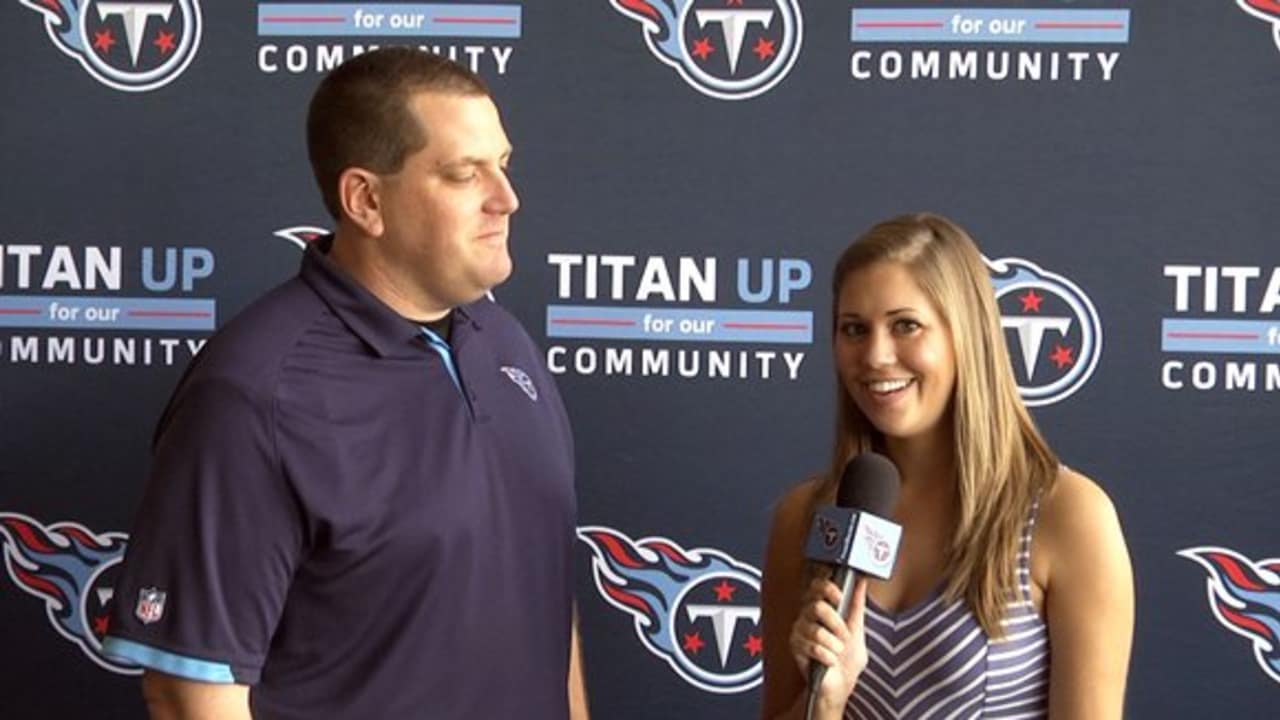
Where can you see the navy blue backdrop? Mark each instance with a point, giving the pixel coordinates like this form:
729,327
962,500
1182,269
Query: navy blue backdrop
688,170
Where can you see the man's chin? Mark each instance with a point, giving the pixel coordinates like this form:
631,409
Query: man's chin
493,281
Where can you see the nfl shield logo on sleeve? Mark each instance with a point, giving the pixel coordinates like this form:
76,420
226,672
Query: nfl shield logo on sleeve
150,607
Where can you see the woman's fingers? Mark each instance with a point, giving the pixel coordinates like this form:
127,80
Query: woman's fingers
857,608
819,633
823,613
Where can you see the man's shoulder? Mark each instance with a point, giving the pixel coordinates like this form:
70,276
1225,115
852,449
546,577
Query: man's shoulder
247,350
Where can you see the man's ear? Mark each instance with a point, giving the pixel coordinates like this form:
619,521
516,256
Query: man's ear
360,193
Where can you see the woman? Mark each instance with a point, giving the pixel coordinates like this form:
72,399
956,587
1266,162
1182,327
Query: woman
1013,594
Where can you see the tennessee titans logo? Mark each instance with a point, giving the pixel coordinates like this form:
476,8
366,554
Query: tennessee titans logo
127,45
829,531
728,49
699,610
1267,11
301,235
1245,598
1056,336
522,380
73,570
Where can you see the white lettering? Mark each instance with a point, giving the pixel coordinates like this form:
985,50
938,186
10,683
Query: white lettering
659,362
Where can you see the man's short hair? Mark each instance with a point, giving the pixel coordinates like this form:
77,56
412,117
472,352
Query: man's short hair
360,116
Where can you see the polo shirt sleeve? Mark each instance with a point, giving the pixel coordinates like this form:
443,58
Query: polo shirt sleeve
215,543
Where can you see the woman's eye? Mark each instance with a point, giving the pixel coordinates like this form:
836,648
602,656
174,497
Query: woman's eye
906,325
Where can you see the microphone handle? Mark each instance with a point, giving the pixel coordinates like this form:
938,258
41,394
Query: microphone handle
844,577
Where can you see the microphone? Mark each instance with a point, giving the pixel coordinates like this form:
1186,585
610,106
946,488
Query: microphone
854,535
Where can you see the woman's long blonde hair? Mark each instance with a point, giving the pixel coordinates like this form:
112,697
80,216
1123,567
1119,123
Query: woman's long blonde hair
1002,463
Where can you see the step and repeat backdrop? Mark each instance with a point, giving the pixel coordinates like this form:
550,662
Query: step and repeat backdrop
689,169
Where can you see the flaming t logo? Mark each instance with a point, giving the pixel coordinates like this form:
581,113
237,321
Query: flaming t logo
135,45
1052,326
696,609
301,235
1265,10
1245,597
728,49
73,570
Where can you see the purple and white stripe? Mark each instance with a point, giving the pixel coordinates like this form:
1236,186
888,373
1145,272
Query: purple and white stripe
935,661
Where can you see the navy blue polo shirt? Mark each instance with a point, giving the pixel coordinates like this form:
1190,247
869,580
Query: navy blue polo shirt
338,518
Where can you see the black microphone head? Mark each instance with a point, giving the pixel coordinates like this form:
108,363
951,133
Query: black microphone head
870,482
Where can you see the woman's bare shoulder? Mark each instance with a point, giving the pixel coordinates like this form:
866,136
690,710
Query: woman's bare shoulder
1076,514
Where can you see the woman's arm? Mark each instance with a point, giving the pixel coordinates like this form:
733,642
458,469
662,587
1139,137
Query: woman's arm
577,685
1088,600
173,698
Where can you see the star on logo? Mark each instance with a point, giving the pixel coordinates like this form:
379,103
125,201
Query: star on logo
764,49
724,591
1062,356
693,642
165,41
102,41
702,49
754,645
1031,301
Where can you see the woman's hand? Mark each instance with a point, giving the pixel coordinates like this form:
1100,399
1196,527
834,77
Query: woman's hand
820,635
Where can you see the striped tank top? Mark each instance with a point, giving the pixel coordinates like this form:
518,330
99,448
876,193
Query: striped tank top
935,661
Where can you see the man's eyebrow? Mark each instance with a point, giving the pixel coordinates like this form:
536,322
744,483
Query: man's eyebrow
472,160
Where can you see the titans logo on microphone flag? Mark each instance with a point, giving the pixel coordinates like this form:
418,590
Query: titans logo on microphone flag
727,49
1055,336
73,570
130,46
698,610
1245,598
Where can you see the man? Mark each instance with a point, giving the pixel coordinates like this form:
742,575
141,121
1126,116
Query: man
361,502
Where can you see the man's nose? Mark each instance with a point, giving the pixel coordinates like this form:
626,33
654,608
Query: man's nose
502,195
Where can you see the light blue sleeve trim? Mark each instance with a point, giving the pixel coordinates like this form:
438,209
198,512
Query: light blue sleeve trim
166,662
